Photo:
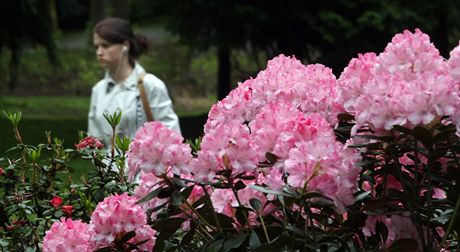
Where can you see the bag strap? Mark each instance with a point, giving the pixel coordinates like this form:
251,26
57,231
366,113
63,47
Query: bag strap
145,102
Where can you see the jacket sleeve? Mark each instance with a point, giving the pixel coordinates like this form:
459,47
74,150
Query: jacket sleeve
92,128
161,104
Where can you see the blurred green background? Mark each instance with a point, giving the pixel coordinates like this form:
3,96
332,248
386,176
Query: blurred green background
201,49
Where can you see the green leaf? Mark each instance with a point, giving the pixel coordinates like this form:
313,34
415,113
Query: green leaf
362,196
242,215
255,204
280,243
266,190
406,245
149,196
382,230
402,129
188,237
254,240
166,229
215,246
127,237
179,182
344,117
239,185
165,192
271,157
105,249
176,198
234,242
424,135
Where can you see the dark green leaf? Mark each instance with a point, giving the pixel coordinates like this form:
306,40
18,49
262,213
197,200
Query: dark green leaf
402,129
127,237
149,196
381,230
165,192
234,242
166,229
362,196
187,191
239,185
176,198
105,249
255,204
188,237
254,240
242,215
178,181
266,190
406,245
424,135
215,246
276,245
271,158
344,117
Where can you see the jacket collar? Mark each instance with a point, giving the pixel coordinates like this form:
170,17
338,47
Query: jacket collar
129,82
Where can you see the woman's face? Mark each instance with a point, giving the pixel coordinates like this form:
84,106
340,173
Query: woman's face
109,55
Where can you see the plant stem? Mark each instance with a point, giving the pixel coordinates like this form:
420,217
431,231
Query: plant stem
264,228
451,222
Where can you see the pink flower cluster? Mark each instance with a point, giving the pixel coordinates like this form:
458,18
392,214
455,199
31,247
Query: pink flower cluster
110,221
287,110
67,235
409,84
157,149
310,88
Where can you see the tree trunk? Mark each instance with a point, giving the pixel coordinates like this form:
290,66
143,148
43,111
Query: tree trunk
121,9
442,34
98,10
223,73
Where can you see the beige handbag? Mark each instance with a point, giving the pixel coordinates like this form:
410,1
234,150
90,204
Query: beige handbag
145,102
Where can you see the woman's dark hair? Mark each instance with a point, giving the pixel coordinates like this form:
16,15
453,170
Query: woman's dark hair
117,31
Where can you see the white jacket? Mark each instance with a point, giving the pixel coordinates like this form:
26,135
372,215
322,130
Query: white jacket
107,97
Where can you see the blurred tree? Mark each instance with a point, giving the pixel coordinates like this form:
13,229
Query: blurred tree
330,32
26,23
72,14
100,9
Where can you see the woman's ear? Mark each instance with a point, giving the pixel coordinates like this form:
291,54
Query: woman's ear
125,48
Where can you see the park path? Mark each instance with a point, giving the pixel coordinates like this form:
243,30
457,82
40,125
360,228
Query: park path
78,40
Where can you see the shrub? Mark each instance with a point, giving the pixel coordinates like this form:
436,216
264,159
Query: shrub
292,160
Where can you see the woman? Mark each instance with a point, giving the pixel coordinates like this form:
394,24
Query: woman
117,49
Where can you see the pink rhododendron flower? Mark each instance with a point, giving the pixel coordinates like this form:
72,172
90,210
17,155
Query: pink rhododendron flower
310,88
223,201
354,78
408,85
454,64
67,235
56,201
272,130
237,108
229,147
318,162
158,149
116,216
1,171
89,142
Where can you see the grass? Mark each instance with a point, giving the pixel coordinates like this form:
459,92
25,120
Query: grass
65,116
76,107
